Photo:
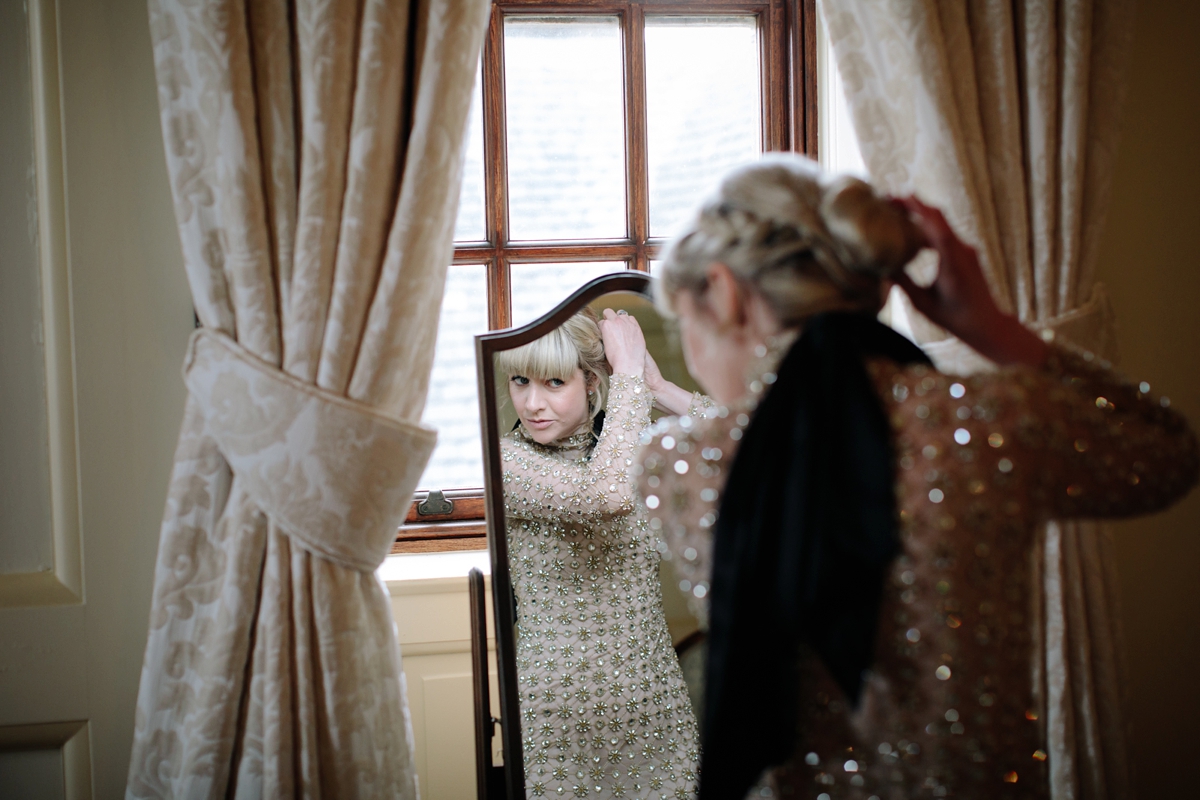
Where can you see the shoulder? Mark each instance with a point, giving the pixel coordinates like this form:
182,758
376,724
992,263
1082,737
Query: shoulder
669,432
898,384
918,393
511,445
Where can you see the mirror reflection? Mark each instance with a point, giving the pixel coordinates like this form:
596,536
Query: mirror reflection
604,705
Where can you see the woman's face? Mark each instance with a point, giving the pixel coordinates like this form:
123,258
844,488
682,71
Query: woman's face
550,409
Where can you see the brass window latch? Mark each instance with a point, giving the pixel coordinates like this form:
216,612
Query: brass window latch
435,504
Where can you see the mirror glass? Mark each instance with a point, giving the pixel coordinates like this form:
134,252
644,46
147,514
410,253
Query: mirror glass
604,708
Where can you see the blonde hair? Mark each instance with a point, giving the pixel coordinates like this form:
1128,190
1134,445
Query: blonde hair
574,344
806,241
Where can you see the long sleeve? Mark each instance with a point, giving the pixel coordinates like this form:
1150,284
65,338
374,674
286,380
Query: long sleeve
701,407
1071,439
541,484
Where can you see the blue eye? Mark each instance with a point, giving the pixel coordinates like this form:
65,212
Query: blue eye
556,382
520,380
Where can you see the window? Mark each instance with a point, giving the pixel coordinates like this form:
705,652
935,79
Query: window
595,128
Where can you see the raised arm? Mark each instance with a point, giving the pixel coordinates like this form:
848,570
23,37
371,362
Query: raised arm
1101,446
540,484
1088,443
1069,439
672,398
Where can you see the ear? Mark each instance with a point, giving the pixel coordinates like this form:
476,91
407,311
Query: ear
723,295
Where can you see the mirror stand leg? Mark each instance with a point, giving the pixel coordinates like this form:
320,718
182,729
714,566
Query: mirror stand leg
489,779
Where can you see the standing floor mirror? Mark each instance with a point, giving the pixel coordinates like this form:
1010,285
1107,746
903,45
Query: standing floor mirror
592,697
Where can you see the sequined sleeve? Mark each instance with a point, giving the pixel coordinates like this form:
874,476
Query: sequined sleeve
539,484
1071,439
701,406
681,472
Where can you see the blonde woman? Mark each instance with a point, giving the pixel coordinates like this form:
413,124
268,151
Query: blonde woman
870,569
604,709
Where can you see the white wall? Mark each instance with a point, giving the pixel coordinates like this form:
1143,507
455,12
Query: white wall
72,643
132,317
26,540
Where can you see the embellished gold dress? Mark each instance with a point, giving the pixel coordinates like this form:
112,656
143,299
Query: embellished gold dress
950,707
604,709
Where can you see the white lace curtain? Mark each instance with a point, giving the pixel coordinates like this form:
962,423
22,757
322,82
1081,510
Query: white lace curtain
314,151
1005,114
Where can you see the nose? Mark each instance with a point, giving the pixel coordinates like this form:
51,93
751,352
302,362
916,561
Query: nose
534,399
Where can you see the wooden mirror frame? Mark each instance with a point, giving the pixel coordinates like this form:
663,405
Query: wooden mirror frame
503,600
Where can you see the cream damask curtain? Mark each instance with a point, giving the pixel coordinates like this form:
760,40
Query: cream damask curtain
314,151
1005,113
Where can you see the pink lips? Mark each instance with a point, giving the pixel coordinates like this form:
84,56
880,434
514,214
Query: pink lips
539,424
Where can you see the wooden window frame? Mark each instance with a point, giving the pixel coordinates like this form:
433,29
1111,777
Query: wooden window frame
787,42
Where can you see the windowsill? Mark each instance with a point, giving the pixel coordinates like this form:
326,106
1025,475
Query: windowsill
409,568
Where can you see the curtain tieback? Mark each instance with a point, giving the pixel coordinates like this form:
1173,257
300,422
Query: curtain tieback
334,474
1089,326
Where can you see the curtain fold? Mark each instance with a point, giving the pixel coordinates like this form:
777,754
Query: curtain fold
314,151
1006,115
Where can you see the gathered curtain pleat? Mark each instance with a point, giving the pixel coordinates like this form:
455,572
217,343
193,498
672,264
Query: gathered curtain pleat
1005,114
315,155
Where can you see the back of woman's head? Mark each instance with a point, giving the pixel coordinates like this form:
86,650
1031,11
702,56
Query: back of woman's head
806,241
574,344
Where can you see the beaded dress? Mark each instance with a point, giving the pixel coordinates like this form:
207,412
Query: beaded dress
604,709
950,707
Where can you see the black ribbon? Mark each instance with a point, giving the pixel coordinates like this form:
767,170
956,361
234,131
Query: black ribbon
803,543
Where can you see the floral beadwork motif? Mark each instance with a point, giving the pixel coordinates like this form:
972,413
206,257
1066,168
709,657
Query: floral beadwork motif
702,406
949,708
604,709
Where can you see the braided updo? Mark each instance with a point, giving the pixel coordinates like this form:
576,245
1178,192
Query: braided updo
806,241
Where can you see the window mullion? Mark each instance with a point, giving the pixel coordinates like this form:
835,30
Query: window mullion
773,65
802,80
496,155
499,293
636,180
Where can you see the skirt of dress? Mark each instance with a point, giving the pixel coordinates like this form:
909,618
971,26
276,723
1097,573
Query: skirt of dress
604,708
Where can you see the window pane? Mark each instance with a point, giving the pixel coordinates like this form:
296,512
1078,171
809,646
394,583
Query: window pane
453,405
537,288
470,226
564,100
703,108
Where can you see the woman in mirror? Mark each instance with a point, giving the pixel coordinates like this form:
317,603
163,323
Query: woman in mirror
604,709
871,580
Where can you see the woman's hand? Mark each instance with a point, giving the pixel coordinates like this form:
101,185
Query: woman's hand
624,344
959,299
667,396
654,378
625,349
